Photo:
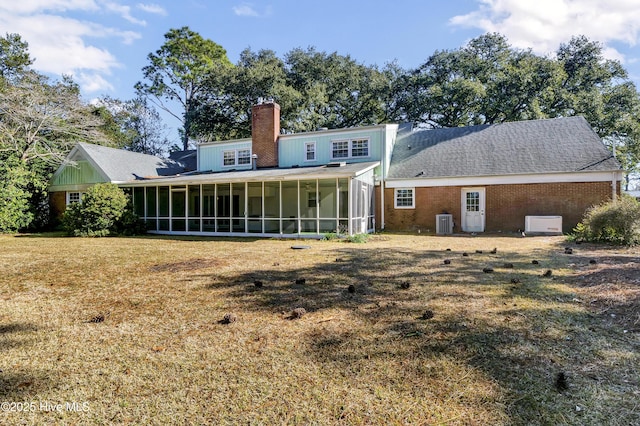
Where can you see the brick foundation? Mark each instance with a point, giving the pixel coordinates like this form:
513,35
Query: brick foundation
506,205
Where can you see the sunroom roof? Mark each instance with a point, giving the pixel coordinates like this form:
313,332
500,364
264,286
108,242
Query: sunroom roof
294,173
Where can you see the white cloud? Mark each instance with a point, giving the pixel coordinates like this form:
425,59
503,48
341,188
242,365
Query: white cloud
247,9
544,24
125,12
153,8
57,43
39,6
62,44
93,83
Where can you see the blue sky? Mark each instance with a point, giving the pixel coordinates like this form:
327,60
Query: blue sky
104,44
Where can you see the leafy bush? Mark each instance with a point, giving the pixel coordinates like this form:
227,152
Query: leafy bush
330,236
358,238
130,223
104,210
615,222
15,210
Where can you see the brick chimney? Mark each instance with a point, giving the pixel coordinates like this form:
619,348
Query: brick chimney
265,129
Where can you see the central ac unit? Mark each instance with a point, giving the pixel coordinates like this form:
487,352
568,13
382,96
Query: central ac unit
444,224
543,224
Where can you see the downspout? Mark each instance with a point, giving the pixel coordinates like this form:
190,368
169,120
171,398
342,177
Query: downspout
382,203
382,175
614,186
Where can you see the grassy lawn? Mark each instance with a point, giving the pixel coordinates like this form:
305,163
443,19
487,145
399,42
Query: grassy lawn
130,330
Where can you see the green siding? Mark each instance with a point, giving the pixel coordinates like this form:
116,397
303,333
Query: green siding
80,173
210,156
292,149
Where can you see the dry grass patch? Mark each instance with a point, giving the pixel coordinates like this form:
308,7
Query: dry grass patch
174,330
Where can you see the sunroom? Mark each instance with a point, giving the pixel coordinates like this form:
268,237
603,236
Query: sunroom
296,202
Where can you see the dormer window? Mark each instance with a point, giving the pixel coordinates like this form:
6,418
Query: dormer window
236,157
360,148
310,151
352,148
244,156
229,158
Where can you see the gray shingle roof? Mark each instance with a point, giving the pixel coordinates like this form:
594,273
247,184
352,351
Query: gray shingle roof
121,166
188,159
524,147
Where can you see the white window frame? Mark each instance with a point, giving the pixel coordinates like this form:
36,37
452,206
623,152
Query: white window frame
333,149
365,148
308,151
350,148
70,201
244,155
238,154
226,158
401,194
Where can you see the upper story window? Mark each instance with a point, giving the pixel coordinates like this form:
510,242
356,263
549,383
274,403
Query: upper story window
360,148
237,157
353,148
340,149
310,151
244,156
229,158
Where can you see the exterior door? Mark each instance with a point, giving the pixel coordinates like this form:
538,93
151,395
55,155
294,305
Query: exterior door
365,209
473,203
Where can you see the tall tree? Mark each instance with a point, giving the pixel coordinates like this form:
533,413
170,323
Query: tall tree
14,57
337,91
137,124
41,120
178,71
485,82
600,90
224,110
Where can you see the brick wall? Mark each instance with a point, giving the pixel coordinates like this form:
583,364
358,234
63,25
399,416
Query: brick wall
265,129
506,205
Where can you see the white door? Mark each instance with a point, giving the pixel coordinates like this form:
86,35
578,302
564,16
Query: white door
473,209
365,210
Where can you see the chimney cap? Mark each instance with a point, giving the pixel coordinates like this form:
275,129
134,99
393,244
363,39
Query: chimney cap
268,100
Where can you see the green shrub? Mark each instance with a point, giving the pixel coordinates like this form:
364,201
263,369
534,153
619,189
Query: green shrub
15,210
104,210
615,222
358,238
330,236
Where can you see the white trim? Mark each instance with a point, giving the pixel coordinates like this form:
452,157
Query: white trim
315,134
224,157
247,156
482,202
68,197
236,157
250,176
315,152
225,143
349,143
76,152
504,179
73,188
413,198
